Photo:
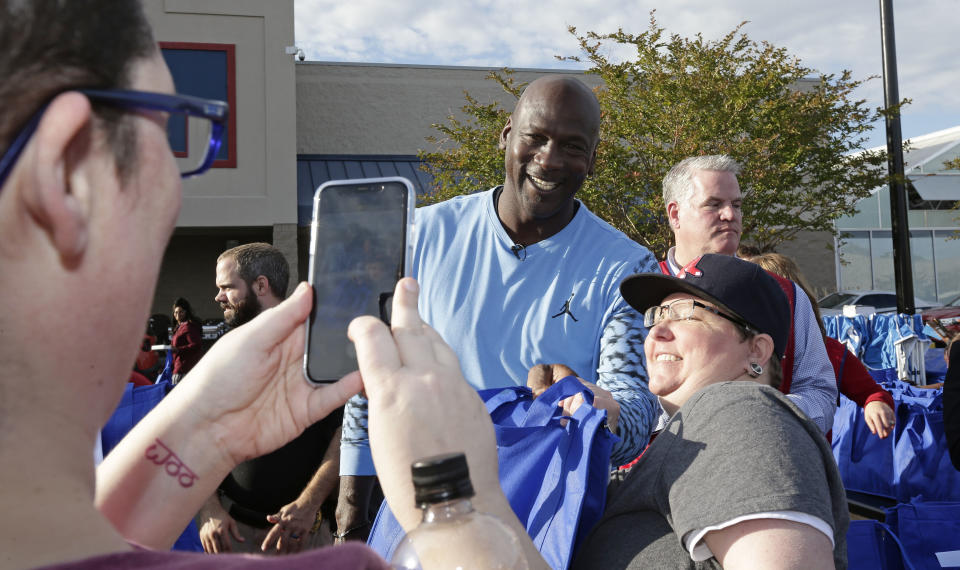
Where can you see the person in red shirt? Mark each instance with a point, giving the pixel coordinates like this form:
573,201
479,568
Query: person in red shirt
853,379
186,342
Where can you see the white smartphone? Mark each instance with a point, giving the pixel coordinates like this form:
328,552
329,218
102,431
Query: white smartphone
361,244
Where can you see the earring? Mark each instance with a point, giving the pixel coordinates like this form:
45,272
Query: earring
755,370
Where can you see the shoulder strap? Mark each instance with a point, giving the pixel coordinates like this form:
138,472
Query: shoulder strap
665,267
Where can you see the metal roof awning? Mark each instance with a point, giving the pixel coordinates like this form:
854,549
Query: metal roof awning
315,169
936,187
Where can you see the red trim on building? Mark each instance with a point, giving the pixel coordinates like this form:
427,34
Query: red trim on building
230,50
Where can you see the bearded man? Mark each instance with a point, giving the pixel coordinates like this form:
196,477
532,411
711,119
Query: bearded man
270,503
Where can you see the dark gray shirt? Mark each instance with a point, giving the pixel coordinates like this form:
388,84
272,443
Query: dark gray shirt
733,449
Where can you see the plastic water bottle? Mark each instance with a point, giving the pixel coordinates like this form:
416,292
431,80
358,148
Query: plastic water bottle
452,535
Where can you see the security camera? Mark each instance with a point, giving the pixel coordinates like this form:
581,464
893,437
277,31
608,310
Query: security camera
300,55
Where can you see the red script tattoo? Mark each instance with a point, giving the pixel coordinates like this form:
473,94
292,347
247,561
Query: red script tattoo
160,454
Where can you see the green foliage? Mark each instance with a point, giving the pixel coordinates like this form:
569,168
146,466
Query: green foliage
468,157
953,164
677,97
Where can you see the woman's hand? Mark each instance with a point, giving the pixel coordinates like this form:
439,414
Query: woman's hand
255,397
542,376
880,418
420,404
245,398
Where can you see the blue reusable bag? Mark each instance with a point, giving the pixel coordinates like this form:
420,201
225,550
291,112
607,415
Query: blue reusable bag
167,373
136,402
926,528
923,466
872,545
553,472
865,461
911,462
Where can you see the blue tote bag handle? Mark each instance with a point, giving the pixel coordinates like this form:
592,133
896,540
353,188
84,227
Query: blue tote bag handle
873,545
507,406
924,442
544,407
503,396
518,403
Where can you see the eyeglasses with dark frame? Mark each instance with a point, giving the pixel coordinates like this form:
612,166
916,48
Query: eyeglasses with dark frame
216,112
682,309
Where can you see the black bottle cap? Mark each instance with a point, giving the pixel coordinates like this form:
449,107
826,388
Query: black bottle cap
441,478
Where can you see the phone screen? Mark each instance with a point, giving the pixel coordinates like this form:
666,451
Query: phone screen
358,253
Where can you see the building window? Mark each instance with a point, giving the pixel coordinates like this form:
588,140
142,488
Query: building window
946,250
866,262
855,269
203,70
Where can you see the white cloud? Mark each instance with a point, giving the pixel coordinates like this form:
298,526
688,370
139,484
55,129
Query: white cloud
827,35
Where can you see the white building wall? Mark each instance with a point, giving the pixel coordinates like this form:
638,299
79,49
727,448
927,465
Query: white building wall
261,190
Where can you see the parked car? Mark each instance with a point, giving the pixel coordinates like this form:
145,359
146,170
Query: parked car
881,301
945,320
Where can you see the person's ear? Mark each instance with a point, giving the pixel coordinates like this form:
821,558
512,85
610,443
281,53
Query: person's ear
673,214
261,285
761,349
504,133
593,159
57,199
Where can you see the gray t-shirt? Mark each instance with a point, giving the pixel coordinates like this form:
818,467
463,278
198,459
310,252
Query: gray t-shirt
733,449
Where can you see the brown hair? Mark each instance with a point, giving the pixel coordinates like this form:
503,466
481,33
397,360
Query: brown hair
256,259
785,267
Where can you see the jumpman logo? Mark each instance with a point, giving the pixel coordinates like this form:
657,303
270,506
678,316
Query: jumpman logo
566,309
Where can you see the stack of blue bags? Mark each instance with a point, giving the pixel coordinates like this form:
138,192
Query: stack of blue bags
912,465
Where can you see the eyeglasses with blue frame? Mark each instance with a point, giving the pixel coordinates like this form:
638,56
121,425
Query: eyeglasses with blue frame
209,114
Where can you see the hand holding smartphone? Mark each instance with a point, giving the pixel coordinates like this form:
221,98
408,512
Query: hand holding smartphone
360,246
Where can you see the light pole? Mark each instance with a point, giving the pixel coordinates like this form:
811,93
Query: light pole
902,270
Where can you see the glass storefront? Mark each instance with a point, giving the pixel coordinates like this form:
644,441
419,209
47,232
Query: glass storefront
866,262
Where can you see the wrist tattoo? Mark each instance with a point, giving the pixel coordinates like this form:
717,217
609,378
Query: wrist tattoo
160,454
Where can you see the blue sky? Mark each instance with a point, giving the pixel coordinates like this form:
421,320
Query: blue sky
827,35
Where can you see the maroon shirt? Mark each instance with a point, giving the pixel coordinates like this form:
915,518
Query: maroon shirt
187,347
349,556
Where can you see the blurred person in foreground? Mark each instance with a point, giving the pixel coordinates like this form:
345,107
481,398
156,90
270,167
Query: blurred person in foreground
853,378
85,166
187,340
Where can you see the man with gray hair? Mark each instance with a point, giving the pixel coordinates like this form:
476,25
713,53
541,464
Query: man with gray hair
270,503
703,203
